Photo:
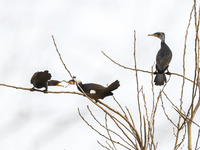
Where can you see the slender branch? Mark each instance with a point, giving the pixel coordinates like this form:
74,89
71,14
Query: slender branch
103,145
144,70
30,89
61,57
98,131
197,140
120,107
106,122
162,104
107,128
185,117
138,97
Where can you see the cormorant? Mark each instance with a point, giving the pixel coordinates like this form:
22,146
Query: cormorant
163,59
95,91
42,79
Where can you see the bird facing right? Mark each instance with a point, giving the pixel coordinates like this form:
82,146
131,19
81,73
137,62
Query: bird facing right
41,79
163,59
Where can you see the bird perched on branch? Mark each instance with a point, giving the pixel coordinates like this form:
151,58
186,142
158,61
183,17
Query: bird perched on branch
42,79
95,91
163,59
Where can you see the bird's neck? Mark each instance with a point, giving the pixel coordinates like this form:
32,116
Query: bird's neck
79,85
162,40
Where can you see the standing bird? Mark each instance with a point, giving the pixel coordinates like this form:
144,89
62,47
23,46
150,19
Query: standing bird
95,91
42,79
163,59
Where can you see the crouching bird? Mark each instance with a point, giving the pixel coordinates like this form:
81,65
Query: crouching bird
42,79
163,59
95,91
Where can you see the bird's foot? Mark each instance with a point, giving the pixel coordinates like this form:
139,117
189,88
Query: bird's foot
155,72
96,100
33,89
45,91
168,73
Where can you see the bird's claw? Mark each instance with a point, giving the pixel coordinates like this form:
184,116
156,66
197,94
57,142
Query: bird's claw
155,72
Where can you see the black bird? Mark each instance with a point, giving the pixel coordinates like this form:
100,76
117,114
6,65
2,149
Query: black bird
95,91
163,59
42,79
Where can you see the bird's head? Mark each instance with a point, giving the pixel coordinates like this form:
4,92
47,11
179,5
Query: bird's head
159,35
73,81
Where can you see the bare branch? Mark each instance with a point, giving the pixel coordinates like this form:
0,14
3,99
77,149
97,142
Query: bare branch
30,89
103,145
144,70
196,147
138,97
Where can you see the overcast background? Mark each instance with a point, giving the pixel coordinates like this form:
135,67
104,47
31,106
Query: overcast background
82,29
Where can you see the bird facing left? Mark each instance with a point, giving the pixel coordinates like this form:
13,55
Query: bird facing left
95,91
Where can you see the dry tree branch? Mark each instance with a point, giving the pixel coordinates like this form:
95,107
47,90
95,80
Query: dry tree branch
137,83
184,53
130,116
198,47
61,57
99,132
29,89
106,122
196,70
182,140
151,120
129,68
197,140
103,145
193,110
159,95
162,104
185,117
152,89
179,127
107,128
109,145
120,107
115,121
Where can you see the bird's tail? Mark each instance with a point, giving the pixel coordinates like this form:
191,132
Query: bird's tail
160,79
113,86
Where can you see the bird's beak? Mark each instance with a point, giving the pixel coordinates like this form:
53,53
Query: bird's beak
70,82
156,35
59,84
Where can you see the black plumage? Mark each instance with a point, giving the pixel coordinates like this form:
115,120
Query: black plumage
95,91
42,79
163,59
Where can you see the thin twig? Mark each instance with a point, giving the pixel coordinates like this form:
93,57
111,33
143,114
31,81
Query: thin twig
103,145
137,83
98,131
162,104
197,140
185,117
120,107
30,89
108,129
106,122
129,68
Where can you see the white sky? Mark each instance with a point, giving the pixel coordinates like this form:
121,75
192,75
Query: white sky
82,29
